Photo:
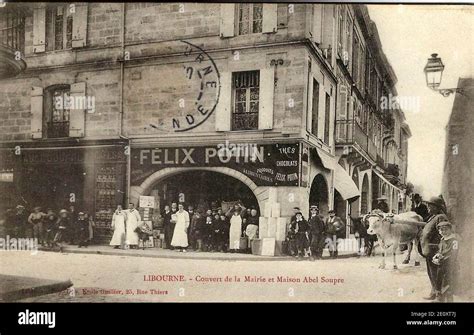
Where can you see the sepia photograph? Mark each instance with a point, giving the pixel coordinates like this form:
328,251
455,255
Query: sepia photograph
236,152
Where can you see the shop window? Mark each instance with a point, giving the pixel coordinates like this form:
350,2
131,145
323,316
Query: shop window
246,94
58,28
315,108
57,101
250,16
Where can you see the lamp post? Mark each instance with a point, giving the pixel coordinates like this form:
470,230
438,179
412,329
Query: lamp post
434,73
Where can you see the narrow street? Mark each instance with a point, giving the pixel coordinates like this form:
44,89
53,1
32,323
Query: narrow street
104,278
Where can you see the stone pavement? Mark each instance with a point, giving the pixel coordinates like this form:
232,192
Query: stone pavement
166,253
14,288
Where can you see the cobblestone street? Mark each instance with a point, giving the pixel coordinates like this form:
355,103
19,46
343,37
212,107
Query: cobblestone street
103,278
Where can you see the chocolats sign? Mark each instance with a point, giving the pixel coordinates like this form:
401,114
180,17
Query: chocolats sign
265,164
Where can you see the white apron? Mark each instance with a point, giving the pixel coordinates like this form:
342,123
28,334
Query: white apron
251,231
235,231
133,220
180,235
118,224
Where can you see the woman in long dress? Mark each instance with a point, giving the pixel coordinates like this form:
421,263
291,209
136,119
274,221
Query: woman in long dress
180,235
118,225
132,223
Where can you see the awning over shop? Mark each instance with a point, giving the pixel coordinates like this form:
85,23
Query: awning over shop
386,181
344,183
327,161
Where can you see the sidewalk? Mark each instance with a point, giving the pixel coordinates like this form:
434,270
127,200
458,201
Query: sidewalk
166,253
14,288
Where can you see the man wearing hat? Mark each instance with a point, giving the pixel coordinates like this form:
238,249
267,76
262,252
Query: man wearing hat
382,204
430,239
446,259
300,228
419,207
317,233
334,230
82,226
20,220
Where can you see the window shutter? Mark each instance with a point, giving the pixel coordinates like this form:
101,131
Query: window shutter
342,103
79,26
39,30
317,23
267,87
270,18
227,20
77,116
309,113
351,107
224,106
36,112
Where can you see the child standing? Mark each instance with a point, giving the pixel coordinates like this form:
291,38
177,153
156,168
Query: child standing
446,259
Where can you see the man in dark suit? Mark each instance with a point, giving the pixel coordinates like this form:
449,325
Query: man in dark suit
317,233
168,226
419,207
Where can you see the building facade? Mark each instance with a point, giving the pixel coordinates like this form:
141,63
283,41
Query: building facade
457,175
200,103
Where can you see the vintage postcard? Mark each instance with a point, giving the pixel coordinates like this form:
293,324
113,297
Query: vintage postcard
236,152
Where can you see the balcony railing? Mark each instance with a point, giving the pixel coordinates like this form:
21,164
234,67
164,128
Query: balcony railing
58,129
244,121
350,132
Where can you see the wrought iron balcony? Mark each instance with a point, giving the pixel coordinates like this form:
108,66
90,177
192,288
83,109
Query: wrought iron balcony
12,40
350,132
244,121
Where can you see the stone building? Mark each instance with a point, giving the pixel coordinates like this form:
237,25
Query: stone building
199,102
458,177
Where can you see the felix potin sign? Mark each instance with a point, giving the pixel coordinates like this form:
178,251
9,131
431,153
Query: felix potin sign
265,164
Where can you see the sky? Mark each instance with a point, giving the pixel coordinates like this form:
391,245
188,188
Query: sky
409,35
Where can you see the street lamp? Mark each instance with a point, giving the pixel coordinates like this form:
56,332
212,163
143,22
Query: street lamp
434,73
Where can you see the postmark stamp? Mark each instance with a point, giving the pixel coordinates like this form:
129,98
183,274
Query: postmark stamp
202,75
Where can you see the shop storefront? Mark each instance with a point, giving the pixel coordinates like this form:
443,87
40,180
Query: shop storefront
204,176
91,176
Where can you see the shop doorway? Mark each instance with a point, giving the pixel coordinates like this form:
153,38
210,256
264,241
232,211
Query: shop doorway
318,194
54,186
202,189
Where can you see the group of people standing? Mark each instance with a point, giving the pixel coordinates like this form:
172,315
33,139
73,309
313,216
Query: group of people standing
314,234
50,229
210,230
124,225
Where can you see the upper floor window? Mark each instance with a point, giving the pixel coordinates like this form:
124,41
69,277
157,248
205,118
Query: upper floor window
340,31
246,94
57,103
250,18
12,29
315,108
59,20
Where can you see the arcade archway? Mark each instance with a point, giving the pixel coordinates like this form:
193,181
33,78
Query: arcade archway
200,185
319,194
203,190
